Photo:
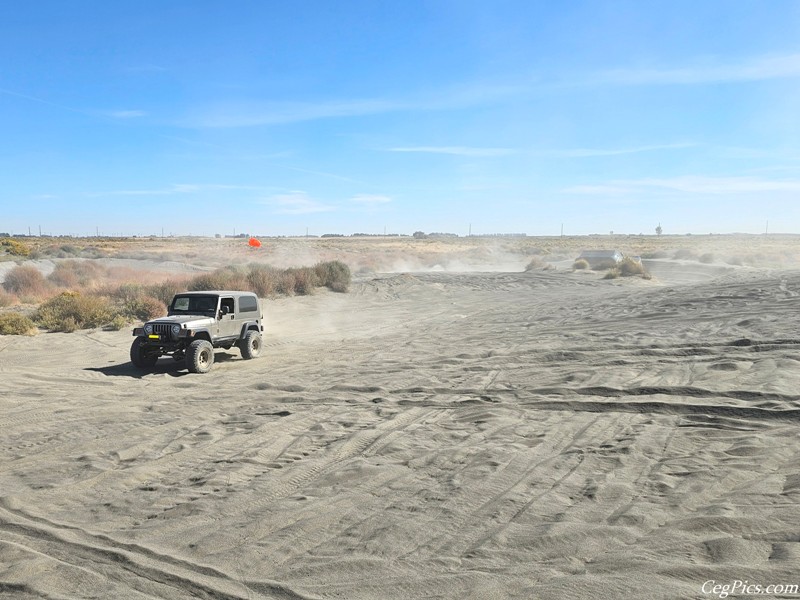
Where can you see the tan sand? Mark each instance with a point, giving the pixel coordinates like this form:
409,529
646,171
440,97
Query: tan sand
431,435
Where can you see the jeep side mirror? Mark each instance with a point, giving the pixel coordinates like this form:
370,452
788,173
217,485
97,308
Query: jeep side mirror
223,311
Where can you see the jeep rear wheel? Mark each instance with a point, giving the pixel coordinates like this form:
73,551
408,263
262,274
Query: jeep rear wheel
251,344
140,358
200,356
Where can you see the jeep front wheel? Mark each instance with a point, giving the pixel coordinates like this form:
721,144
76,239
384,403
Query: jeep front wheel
251,344
200,356
140,358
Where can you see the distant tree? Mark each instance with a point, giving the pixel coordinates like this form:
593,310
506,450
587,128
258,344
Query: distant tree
658,229
419,235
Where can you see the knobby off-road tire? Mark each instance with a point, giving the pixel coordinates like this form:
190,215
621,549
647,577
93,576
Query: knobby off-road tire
139,358
200,356
251,344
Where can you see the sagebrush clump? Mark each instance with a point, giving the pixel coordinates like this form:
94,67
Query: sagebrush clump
12,323
71,310
581,264
26,282
334,275
538,264
77,273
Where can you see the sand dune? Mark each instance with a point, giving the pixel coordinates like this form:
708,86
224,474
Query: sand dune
483,435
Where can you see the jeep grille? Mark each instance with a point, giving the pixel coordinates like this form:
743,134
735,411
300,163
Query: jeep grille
164,329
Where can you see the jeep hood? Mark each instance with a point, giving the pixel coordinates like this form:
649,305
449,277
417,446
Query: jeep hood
195,320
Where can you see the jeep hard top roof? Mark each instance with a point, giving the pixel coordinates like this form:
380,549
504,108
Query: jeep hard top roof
216,293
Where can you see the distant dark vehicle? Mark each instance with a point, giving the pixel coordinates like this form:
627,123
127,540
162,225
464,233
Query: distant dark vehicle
198,322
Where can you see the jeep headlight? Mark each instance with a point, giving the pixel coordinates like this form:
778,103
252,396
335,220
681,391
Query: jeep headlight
176,329
148,329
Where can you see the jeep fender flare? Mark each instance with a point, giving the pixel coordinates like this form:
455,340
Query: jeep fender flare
249,325
201,334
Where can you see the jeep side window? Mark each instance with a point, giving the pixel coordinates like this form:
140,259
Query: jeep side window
227,303
248,304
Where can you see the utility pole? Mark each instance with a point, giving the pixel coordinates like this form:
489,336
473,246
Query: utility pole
562,230
470,230
766,231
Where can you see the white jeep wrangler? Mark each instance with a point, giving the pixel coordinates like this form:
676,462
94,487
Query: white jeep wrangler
198,322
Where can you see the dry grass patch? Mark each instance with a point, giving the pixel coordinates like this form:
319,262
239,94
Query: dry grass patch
15,247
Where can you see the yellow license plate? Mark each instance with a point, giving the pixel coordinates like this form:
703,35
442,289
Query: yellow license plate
153,336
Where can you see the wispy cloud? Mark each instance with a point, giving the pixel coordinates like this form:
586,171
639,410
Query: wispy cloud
708,72
248,113
297,203
370,199
689,185
251,114
125,114
589,152
181,188
455,150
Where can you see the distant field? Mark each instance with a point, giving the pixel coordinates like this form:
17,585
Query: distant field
397,254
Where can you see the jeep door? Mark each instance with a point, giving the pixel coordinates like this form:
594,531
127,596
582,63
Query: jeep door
228,325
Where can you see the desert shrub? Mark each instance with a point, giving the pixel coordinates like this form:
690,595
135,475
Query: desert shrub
12,323
15,247
612,274
226,278
655,254
629,267
6,299
71,310
706,258
26,282
581,264
117,323
165,290
77,273
263,280
305,280
144,308
126,292
335,275
537,263
285,283
685,253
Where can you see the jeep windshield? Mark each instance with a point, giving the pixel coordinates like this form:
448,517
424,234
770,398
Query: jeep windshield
193,305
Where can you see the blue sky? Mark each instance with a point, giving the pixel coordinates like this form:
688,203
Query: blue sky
363,116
